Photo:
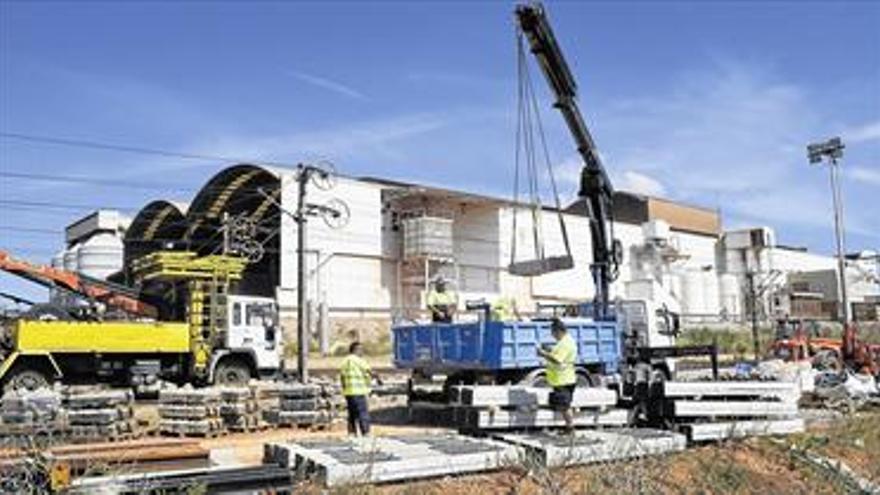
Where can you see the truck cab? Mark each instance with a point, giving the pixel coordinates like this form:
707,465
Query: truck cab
251,345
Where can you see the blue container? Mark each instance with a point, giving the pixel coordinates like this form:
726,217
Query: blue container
499,346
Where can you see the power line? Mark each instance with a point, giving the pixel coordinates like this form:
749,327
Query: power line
29,230
64,206
92,181
82,143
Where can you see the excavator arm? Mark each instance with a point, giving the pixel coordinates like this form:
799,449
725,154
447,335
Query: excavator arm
595,187
114,295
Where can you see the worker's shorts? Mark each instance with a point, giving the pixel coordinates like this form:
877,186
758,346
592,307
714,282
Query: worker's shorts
560,398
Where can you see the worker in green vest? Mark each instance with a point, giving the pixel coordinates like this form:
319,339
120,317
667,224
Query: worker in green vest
560,371
442,302
504,309
355,375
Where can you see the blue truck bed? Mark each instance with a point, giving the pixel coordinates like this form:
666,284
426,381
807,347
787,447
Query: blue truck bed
498,346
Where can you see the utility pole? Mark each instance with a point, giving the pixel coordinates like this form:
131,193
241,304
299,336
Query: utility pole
302,334
335,214
753,311
833,150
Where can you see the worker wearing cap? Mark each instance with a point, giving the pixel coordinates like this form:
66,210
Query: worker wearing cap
504,309
355,375
560,371
442,303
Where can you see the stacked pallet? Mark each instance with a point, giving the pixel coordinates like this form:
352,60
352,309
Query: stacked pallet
302,405
240,409
500,407
26,413
100,415
190,412
730,409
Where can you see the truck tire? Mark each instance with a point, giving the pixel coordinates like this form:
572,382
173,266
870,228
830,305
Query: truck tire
535,378
26,379
232,372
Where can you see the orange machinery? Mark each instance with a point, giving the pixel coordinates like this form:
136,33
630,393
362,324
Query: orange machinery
113,295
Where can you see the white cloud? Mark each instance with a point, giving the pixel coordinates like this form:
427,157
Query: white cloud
733,136
640,183
865,133
329,84
865,175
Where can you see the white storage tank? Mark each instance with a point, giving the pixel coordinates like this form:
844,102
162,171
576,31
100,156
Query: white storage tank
711,297
101,255
58,259
692,292
730,295
71,258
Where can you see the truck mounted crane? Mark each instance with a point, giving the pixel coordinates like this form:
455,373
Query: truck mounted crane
595,187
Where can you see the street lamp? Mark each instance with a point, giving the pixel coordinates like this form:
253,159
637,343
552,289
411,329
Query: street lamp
832,150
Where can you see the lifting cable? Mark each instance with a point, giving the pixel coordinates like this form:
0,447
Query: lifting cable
530,135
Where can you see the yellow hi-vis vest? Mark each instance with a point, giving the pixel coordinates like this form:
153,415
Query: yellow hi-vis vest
436,298
502,309
561,374
355,375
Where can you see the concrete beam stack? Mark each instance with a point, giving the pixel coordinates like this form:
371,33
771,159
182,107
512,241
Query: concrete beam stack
499,407
239,409
335,461
105,415
720,410
23,414
302,405
586,447
190,412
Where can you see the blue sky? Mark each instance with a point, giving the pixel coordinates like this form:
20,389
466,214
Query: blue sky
710,103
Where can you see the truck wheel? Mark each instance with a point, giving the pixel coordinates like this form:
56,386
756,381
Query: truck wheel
535,378
232,372
26,379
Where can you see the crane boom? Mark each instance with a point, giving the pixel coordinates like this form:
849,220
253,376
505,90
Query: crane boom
595,187
115,295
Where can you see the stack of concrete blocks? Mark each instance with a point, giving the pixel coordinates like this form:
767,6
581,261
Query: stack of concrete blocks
501,407
100,416
187,411
240,409
26,414
335,461
303,405
711,410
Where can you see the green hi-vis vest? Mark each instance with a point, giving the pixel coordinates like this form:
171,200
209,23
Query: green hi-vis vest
355,374
561,374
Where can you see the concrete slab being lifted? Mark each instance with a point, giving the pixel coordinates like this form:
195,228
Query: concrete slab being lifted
517,396
500,419
590,446
382,459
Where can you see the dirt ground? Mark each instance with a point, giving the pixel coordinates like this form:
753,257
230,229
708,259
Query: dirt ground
754,466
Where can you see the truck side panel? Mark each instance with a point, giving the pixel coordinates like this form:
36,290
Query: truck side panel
101,337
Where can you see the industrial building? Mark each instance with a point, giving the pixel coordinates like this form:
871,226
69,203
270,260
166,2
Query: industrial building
398,236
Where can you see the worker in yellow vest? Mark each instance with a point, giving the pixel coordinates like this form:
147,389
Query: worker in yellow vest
442,302
504,309
356,375
560,371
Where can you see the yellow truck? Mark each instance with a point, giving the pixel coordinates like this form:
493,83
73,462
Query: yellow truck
226,338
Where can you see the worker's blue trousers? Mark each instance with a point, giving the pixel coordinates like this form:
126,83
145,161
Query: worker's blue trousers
358,414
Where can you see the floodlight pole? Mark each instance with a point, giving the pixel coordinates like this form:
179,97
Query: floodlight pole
837,200
832,150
